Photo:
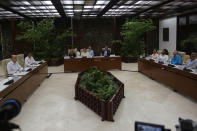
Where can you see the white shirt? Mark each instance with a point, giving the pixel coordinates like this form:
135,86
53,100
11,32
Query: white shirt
13,67
78,54
191,64
83,54
29,61
163,58
154,56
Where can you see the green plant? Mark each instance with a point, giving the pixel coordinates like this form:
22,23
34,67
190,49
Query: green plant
189,45
133,36
48,43
99,83
115,45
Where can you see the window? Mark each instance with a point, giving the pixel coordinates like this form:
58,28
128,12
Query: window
165,34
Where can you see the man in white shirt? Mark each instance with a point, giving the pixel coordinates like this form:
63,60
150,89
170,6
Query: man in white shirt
192,63
29,60
164,56
13,66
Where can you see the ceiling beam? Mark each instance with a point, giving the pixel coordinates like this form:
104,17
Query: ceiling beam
153,7
107,7
181,11
58,6
5,7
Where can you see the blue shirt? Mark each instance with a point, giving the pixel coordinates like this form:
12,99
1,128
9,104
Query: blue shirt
105,53
91,53
176,60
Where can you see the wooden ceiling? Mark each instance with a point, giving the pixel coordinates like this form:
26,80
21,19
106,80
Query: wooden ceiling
94,8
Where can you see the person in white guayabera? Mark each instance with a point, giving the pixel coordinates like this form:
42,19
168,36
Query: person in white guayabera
13,66
29,60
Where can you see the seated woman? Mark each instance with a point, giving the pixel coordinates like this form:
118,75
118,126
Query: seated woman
84,53
72,53
154,55
192,63
164,56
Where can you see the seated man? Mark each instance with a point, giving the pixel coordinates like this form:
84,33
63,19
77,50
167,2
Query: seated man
29,60
106,52
85,53
192,63
176,59
164,56
91,53
13,66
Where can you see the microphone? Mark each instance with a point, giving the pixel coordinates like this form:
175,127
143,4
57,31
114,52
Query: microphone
10,109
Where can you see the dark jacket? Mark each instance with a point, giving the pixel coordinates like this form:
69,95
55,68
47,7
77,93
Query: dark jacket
72,55
108,53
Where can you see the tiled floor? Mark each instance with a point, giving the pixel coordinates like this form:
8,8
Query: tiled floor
52,106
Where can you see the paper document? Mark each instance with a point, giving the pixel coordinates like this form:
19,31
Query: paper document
20,73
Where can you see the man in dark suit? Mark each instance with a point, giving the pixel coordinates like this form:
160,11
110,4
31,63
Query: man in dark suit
106,52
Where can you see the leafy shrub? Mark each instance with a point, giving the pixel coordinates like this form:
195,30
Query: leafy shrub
48,42
99,83
189,45
133,32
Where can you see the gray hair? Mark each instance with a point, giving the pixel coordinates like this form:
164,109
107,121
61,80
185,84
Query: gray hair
194,53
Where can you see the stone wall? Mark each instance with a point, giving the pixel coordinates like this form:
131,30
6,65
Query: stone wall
96,32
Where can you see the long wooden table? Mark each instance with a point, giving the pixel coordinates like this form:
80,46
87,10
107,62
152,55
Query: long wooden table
26,85
179,80
103,63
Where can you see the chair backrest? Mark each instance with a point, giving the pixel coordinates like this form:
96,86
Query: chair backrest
69,51
81,50
159,52
75,51
88,50
182,54
187,57
4,66
170,55
21,59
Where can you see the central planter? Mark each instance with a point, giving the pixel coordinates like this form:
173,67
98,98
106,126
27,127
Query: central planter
105,109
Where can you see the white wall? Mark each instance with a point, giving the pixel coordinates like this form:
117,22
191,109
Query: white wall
170,23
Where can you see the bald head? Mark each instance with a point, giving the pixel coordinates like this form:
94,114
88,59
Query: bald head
14,58
175,53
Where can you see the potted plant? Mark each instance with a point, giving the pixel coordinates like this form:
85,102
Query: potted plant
133,32
48,43
100,91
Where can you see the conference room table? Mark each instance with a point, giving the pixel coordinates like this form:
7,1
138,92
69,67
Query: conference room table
102,63
174,77
25,83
